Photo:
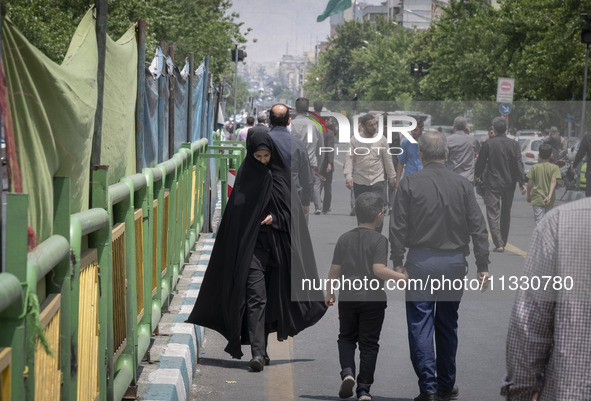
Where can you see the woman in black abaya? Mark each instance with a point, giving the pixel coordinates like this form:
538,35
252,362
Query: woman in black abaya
261,253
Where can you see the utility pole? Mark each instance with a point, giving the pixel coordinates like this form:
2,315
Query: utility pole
586,39
235,87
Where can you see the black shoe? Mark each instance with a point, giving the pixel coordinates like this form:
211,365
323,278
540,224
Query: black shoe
347,385
426,397
452,394
267,360
257,363
364,396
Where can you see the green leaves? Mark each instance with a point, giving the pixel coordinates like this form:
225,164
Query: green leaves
199,26
465,51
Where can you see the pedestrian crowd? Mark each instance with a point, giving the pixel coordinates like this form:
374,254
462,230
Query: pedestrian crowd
263,245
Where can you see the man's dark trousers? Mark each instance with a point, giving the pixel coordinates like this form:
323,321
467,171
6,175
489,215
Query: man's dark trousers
327,187
436,314
378,188
498,214
360,322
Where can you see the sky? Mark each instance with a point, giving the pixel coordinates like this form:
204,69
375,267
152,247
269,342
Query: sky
281,27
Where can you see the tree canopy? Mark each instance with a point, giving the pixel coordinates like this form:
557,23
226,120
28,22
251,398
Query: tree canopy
200,26
463,53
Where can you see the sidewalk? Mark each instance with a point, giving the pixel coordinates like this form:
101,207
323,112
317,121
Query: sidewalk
168,368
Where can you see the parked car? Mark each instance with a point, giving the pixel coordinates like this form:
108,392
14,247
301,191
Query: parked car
480,135
528,132
529,152
446,129
573,146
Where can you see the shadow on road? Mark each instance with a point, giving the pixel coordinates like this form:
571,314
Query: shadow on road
335,398
243,364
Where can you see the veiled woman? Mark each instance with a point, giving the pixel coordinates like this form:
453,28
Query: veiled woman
252,286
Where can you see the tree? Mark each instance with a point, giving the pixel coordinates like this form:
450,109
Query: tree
338,70
460,53
390,51
199,26
543,47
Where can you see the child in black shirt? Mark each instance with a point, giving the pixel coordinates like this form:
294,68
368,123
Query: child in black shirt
358,270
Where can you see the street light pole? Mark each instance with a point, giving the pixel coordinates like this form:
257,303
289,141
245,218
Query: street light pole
584,92
586,39
235,89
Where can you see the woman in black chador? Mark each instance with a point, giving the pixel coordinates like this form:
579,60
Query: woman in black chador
262,252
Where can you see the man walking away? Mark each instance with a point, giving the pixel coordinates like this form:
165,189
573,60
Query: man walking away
436,216
463,149
299,129
327,168
294,153
500,167
244,131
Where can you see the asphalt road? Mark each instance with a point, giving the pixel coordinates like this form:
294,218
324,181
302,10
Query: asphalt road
307,368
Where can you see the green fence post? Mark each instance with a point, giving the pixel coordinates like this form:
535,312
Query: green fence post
152,308
12,335
126,367
164,287
40,261
169,170
61,283
101,240
186,149
17,209
175,223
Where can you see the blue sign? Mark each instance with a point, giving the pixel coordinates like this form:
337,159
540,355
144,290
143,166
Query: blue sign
505,109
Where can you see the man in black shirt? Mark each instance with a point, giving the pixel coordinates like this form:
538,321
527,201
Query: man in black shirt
585,150
435,216
499,166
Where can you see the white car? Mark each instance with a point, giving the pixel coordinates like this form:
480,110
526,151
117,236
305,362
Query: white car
573,146
528,133
529,152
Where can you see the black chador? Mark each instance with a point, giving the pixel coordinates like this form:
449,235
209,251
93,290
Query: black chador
255,270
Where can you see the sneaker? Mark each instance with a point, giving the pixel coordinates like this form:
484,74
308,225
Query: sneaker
363,396
347,385
452,394
318,211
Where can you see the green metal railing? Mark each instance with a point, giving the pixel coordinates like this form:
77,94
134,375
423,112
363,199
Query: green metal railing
95,298
235,151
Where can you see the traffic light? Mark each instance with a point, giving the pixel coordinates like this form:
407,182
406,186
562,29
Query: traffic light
586,36
241,54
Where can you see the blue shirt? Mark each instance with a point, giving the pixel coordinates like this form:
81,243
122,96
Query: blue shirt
410,157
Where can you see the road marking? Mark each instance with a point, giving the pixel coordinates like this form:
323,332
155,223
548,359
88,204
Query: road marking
280,376
339,163
515,250
511,248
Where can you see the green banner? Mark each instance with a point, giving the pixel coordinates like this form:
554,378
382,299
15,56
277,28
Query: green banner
53,108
